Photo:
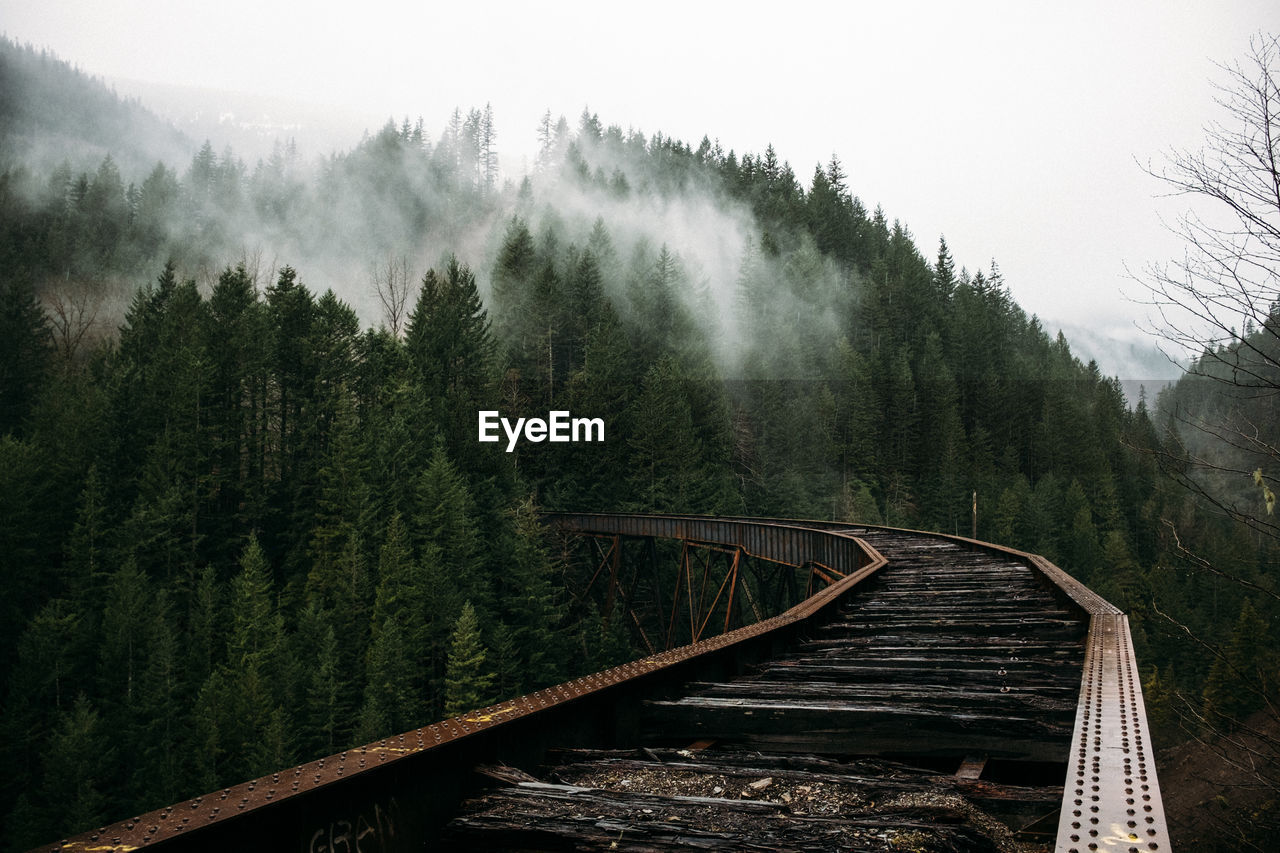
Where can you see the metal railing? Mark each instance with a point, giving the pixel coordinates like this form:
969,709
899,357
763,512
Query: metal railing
1111,796
395,793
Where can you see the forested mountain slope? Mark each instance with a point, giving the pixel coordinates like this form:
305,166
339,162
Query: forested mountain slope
246,520
51,111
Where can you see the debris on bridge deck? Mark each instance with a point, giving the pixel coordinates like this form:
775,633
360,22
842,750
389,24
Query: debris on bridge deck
945,658
722,800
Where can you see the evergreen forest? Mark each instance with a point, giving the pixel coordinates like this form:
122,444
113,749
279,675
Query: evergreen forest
244,518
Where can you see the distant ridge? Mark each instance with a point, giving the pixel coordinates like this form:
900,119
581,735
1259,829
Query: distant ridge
51,111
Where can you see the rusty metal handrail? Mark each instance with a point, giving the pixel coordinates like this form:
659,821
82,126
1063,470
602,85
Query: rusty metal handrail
209,822
778,541
1111,796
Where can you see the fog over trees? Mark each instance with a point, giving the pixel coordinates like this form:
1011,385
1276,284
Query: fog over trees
245,520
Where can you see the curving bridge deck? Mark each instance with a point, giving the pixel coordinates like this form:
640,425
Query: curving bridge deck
934,694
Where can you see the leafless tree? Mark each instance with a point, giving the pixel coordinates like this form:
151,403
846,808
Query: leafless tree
1221,301
72,306
258,269
1221,304
1225,289
393,287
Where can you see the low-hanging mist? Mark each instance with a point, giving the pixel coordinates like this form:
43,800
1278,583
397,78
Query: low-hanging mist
246,517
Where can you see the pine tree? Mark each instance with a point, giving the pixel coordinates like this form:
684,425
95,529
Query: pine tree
544,348
1119,580
1159,695
1007,523
85,546
529,603
445,524
468,680
75,769
162,707
290,312
342,509
26,345
42,684
105,216
451,350
274,748
508,676
587,305
204,617
653,291
402,641
390,701
1241,679
944,271
899,427
241,717
400,593
47,661
513,287
1043,517
236,341
665,452
347,600
256,629
545,140
325,717
603,640
124,643
488,153
1080,545
942,441
605,385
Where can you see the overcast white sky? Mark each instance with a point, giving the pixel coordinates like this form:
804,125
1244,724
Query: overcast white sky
1015,129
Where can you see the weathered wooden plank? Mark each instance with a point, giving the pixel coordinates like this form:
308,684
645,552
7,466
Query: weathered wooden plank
874,780
893,737
949,607
924,657
874,660
927,673
980,624
972,766
567,818
1019,732
968,599
890,641
949,693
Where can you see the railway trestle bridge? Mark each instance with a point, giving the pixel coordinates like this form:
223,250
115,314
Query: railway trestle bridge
809,686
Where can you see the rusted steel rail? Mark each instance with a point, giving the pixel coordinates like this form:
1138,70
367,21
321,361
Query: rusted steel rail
1111,797
395,794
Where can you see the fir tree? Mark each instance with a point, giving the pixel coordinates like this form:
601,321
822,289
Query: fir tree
26,344
468,680
445,522
75,769
1241,678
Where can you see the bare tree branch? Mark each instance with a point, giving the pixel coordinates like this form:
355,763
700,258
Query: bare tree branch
1228,273
72,306
393,287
